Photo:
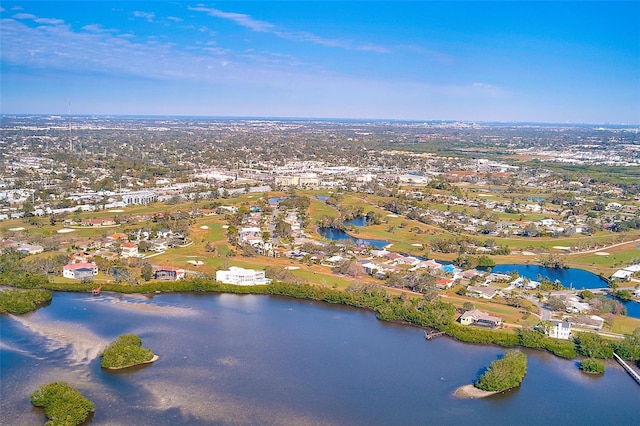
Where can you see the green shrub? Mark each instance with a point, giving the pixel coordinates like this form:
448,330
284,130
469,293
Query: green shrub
504,373
23,301
592,365
125,351
63,405
594,346
562,348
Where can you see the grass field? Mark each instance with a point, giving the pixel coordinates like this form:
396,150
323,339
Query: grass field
625,325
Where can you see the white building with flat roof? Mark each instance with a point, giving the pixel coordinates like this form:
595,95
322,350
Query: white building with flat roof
240,276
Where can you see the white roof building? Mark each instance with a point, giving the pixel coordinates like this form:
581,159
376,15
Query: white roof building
240,276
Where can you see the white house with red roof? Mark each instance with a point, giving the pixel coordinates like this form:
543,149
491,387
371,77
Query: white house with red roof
80,271
129,249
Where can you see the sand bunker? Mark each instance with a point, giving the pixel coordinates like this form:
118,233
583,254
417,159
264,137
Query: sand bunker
602,253
204,227
116,211
65,230
392,215
562,248
20,228
416,245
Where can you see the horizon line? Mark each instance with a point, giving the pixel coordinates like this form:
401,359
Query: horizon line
334,119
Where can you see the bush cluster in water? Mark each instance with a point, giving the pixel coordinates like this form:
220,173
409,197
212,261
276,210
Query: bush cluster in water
504,373
125,351
63,405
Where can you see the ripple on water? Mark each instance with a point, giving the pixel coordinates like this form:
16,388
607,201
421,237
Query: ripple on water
83,345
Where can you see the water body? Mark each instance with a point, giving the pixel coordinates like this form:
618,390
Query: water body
245,359
335,234
569,277
633,307
356,221
322,198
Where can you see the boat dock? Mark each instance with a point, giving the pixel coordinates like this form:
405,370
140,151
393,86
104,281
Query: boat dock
432,334
626,366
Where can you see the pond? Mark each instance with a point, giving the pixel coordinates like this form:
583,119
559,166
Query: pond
335,234
569,277
356,221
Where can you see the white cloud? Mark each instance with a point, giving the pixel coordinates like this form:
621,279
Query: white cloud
266,27
490,90
239,18
49,21
149,16
24,16
175,19
97,29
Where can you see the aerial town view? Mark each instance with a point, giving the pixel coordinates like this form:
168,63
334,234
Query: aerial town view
320,213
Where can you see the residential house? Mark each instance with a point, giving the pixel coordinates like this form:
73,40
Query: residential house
479,318
30,249
82,257
129,249
164,233
79,271
470,273
488,292
591,321
560,330
118,236
240,276
168,273
622,275
444,283
98,222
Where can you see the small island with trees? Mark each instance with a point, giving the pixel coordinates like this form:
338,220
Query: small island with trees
63,405
126,351
503,374
592,366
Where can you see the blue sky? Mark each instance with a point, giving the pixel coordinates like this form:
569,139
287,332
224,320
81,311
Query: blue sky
482,61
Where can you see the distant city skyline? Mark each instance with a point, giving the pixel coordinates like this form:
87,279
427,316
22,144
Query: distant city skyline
553,62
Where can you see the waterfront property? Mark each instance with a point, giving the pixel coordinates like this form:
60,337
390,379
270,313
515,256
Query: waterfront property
168,273
560,330
479,318
240,276
80,271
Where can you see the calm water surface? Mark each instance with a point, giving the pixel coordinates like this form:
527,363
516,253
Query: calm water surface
335,234
231,359
569,277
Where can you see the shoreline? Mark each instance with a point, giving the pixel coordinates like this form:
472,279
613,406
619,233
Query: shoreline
472,392
151,361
